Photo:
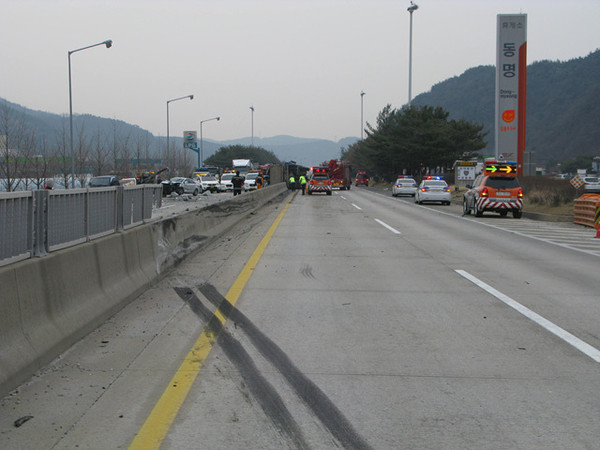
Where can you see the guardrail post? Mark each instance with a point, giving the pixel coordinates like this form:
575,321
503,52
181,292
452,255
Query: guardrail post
159,195
119,193
40,223
86,214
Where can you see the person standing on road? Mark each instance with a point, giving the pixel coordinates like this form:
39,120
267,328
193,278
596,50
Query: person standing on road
237,181
302,180
292,183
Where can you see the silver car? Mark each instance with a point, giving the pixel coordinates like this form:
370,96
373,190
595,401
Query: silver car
404,186
433,190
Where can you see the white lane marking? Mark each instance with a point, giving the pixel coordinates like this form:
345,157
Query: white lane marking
580,345
343,197
357,207
383,224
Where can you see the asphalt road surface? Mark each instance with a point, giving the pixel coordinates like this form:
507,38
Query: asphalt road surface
356,320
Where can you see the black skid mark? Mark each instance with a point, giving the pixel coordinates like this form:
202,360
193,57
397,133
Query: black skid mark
265,394
312,396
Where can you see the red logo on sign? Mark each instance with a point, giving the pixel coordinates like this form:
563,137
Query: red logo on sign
509,115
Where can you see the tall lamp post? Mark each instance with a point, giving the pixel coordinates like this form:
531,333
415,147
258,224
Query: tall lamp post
362,94
201,153
191,97
411,9
108,44
252,113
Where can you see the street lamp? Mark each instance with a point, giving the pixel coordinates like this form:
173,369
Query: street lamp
411,9
191,97
362,94
108,44
252,113
201,153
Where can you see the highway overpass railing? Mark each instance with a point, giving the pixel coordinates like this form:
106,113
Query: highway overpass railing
34,223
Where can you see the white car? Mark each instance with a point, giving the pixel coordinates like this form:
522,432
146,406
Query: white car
208,183
591,185
250,183
404,186
225,184
182,185
433,189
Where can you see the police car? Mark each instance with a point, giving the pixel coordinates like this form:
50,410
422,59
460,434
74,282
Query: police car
433,189
497,189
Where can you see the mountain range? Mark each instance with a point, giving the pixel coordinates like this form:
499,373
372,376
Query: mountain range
563,105
47,126
563,115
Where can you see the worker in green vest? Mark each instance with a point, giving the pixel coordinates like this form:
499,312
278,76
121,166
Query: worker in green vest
302,180
292,183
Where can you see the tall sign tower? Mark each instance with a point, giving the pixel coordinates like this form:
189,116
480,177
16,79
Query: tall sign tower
511,87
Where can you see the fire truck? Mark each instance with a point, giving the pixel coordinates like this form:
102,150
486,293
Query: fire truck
339,172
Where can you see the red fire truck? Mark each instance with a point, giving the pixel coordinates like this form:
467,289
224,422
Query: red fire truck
339,172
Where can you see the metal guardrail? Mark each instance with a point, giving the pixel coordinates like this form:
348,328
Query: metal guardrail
34,223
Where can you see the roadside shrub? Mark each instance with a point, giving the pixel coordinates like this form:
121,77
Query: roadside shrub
548,191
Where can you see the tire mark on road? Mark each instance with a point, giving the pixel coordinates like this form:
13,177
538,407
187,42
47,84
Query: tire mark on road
306,270
312,396
266,395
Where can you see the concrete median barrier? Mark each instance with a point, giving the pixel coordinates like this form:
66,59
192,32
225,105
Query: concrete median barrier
47,304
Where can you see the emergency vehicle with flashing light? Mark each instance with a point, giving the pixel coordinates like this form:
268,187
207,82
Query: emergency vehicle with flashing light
362,179
318,180
433,189
339,172
497,189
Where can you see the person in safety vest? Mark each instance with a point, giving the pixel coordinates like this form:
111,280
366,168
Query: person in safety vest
292,183
302,180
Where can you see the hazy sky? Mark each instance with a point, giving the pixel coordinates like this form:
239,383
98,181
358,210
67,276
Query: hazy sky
302,64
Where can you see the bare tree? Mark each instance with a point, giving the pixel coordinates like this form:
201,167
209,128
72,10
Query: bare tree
99,155
41,167
63,154
82,153
125,167
16,145
26,158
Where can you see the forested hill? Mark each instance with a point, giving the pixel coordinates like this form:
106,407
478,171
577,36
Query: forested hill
563,105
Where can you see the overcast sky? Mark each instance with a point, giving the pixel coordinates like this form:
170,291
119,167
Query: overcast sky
302,64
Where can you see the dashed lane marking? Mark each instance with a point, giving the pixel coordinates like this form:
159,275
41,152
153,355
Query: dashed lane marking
383,224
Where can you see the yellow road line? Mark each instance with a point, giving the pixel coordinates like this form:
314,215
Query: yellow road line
158,423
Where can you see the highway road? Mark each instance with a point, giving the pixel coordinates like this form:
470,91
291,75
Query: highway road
356,320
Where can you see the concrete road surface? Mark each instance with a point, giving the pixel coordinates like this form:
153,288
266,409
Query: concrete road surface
355,320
